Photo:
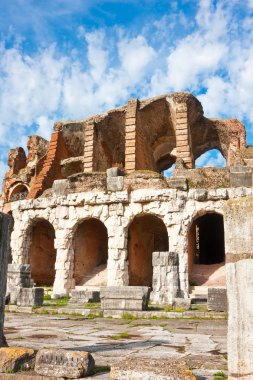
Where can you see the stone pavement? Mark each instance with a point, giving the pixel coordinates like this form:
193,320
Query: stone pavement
199,343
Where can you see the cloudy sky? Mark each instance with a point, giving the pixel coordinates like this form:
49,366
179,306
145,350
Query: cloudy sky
67,59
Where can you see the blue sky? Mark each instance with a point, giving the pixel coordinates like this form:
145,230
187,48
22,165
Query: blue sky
67,59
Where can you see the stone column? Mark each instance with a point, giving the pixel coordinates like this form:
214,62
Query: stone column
64,281
4,248
238,225
117,255
165,277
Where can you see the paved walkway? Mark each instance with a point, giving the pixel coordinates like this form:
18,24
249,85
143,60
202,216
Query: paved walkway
199,343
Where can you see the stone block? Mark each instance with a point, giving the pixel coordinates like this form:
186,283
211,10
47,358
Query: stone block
178,183
60,187
15,358
149,369
64,363
82,296
217,299
125,298
184,303
30,296
165,277
115,183
164,258
114,172
240,176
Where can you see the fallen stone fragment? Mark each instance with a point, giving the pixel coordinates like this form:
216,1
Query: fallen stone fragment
136,369
64,363
16,358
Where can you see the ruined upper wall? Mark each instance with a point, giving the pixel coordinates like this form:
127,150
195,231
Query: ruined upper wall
149,134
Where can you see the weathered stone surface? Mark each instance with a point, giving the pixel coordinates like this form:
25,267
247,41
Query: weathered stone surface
4,249
30,297
165,277
182,303
240,176
15,358
125,298
64,363
115,183
217,299
81,296
178,183
239,269
114,172
19,276
60,187
141,369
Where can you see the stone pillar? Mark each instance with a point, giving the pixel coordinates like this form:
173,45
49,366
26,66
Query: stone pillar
5,221
238,218
19,276
64,264
183,135
165,277
131,135
117,264
88,159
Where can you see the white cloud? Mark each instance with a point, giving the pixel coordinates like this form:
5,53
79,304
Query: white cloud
135,55
214,61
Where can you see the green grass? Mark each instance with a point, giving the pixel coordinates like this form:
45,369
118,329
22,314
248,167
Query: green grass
93,315
9,371
128,316
100,369
92,305
47,297
220,375
122,335
199,308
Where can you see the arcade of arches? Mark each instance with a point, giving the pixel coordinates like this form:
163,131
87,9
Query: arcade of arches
206,250
147,233
42,254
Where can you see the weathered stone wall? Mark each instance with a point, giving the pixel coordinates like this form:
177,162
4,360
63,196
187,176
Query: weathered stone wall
239,268
177,209
4,248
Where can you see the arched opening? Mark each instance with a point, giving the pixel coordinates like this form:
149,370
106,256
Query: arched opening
18,192
42,253
212,157
90,253
147,234
206,250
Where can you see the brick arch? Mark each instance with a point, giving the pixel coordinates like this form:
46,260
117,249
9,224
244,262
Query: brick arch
146,233
18,191
41,251
90,251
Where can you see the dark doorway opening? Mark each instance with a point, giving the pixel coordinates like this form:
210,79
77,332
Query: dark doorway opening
147,233
90,253
42,253
206,247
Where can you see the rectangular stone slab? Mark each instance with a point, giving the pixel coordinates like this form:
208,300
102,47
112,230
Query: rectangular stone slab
64,363
125,298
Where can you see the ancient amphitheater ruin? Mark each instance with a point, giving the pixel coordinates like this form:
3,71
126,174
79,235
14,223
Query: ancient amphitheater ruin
92,207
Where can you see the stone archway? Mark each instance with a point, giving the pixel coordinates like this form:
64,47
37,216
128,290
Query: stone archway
206,250
147,233
90,253
42,254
